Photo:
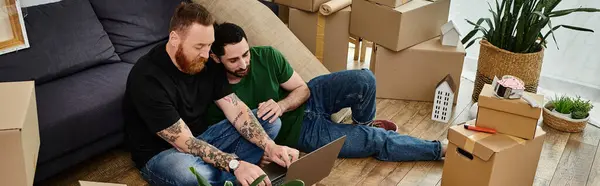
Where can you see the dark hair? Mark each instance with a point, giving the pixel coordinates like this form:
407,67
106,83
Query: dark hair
225,34
188,13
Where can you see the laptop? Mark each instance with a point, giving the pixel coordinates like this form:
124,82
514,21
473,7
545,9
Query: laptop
310,168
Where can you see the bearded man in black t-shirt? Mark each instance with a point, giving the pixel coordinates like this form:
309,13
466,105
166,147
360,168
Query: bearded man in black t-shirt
167,96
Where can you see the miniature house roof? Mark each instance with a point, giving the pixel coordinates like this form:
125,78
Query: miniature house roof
450,82
450,26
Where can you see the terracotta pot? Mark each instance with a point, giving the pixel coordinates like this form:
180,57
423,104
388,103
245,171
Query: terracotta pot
494,61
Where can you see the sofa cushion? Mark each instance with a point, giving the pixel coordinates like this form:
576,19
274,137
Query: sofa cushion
131,24
79,109
65,37
133,55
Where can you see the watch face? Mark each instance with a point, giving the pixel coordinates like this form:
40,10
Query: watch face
233,164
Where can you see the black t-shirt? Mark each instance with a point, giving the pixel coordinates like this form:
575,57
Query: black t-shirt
158,94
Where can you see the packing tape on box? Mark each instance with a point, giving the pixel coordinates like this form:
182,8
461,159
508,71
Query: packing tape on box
320,37
470,142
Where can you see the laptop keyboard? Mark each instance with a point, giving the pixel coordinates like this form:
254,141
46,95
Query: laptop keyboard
277,182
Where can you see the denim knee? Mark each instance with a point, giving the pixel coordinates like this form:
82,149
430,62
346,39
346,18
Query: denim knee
366,76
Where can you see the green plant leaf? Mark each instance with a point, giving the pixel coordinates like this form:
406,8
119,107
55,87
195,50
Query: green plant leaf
294,183
201,180
473,41
469,36
228,183
258,180
578,28
551,33
569,11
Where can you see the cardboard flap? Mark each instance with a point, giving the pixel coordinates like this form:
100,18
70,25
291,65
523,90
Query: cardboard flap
413,5
482,145
487,99
15,98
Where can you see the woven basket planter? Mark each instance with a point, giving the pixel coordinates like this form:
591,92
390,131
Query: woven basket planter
494,61
561,123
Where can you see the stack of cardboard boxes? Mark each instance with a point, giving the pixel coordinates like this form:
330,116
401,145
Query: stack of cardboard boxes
408,59
509,157
323,32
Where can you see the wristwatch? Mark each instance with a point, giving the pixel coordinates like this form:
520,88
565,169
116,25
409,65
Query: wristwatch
234,164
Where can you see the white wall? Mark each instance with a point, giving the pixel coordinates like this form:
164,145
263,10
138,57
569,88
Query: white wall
28,3
577,61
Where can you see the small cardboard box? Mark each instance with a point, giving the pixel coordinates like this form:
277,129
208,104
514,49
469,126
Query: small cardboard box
306,5
476,158
398,28
512,117
414,73
90,183
391,3
19,133
325,36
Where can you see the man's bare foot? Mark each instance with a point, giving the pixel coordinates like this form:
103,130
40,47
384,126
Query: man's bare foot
385,124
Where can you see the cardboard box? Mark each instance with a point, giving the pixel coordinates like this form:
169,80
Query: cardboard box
325,36
512,117
413,73
391,3
19,133
284,14
476,158
398,28
90,183
306,5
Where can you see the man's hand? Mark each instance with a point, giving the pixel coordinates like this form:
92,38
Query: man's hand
246,173
266,160
282,155
268,109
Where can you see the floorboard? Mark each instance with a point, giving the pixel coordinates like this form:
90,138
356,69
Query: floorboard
554,146
594,178
576,162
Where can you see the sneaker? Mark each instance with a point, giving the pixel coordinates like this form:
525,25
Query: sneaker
385,124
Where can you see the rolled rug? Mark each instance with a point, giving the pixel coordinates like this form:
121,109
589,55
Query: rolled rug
334,6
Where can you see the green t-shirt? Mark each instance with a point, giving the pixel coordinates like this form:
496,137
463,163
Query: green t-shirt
268,69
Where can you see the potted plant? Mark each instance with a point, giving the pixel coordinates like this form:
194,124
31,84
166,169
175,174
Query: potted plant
567,114
203,182
513,42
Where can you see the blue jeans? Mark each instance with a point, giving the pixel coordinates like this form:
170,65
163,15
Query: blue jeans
356,89
171,167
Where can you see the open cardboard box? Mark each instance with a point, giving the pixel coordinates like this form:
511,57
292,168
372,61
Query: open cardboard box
325,36
401,27
19,133
476,158
413,73
513,117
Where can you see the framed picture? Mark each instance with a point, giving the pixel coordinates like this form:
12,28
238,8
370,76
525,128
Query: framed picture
13,36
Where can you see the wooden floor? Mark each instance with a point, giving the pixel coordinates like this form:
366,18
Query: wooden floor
566,159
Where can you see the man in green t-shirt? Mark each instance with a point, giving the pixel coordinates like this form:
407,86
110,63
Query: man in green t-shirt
264,80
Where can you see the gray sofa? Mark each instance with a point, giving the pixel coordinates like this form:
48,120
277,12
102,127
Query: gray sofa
80,56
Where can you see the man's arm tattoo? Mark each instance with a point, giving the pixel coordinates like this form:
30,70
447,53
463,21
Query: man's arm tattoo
252,130
233,99
171,133
209,153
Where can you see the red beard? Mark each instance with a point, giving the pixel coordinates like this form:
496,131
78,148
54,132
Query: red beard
189,66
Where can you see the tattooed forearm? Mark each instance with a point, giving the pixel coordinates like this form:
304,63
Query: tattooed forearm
233,99
238,117
209,153
252,130
172,133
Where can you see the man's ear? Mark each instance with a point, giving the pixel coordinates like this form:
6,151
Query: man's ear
215,58
174,39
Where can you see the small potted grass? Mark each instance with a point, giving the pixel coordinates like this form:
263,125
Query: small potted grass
567,114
